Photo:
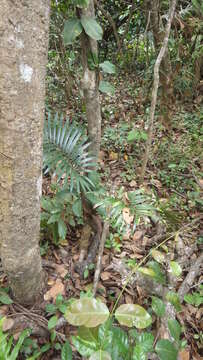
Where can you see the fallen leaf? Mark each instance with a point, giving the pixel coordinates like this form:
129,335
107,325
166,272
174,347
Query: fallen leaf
138,235
105,275
57,289
7,324
184,355
127,217
133,183
128,299
113,155
51,281
61,270
4,309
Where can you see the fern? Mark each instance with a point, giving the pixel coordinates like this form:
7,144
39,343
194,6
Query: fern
66,154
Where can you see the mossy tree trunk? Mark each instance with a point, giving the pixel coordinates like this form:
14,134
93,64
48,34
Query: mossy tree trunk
23,55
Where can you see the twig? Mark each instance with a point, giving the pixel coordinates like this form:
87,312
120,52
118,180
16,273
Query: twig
194,271
99,259
155,90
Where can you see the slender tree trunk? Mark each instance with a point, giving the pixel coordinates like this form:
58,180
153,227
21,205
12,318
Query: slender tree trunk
155,89
165,72
23,56
90,84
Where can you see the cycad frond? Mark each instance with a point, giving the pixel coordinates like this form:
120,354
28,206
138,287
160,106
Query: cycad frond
66,153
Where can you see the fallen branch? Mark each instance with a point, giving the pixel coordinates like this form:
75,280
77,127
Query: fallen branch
99,259
194,271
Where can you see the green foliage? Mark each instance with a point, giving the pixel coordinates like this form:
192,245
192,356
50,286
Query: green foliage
158,306
175,268
98,336
91,27
66,154
106,87
173,298
108,67
166,350
4,297
195,299
125,208
8,351
66,352
72,29
64,208
133,315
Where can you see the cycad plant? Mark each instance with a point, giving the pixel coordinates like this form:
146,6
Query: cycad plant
66,154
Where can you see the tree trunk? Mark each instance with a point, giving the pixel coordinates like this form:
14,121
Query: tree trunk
90,86
166,75
23,56
157,65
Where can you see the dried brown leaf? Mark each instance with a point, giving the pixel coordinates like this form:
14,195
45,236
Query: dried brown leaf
57,288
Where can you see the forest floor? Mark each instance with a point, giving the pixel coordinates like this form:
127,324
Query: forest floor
174,178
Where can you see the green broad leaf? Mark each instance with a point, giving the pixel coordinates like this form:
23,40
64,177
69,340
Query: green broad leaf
174,328
158,306
59,299
46,204
106,87
57,346
62,308
88,312
120,344
138,353
5,298
158,256
54,218
72,29
175,268
133,315
145,340
147,271
173,298
50,308
77,208
100,355
92,28
52,322
84,348
108,67
62,229
159,275
189,299
166,350
66,352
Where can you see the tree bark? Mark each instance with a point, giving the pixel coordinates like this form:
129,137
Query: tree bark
90,84
23,56
155,89
165,72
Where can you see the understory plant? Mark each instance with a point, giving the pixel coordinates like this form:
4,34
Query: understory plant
126,333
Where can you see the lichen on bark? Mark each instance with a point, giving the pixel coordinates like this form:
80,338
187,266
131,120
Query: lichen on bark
23,56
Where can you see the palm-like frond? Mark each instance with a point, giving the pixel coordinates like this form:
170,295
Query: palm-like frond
66,153
139,204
